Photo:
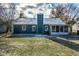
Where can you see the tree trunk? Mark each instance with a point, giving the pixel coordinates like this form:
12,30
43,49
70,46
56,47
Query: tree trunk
8,25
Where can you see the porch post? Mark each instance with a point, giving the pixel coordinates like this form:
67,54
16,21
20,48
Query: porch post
50,29
63,28
59,28
12,29
55,28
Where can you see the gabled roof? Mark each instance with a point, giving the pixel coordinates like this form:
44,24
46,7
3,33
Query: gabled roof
54,21
50,21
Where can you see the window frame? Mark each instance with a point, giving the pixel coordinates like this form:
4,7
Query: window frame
33,28
24,27
46,28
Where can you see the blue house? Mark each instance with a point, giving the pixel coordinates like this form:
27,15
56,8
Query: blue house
40,25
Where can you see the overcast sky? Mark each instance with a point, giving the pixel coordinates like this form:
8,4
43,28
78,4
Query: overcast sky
33,9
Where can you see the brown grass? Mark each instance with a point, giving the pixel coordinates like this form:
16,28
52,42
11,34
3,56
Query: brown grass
34,46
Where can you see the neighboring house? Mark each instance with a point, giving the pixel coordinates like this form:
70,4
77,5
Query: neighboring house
75,28
39,25
3,28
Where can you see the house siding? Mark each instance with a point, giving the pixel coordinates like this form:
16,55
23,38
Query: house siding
40,22
18,29
29,29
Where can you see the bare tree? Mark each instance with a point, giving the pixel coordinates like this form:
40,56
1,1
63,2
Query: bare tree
67,12
58,11
7,14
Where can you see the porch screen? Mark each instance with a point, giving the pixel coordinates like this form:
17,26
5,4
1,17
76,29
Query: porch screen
53,28
61,28
65,28
57,28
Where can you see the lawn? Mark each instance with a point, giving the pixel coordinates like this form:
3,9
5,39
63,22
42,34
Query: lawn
33,46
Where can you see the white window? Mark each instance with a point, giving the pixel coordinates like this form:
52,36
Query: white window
23,27
46,28
33,28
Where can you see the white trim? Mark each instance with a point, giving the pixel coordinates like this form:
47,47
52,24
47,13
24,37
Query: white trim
55,28
59,33
59,28
50,29
63,28
12,27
